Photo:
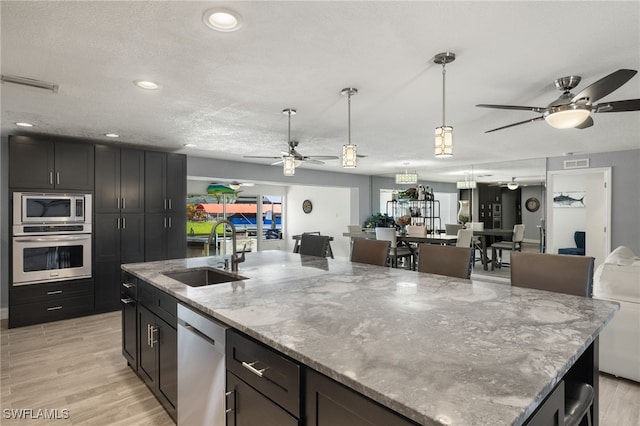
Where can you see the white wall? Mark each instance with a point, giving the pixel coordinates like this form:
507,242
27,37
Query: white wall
330,215
566,220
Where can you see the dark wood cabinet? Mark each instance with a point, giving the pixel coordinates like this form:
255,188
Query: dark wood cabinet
118,239
165,205
43,164
119,219
129,302
157,344
38,303
250,407
119,178
329,403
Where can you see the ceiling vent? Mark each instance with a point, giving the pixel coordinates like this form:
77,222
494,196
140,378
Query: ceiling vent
24,81
576,164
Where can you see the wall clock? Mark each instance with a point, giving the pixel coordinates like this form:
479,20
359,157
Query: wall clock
307,206
532,204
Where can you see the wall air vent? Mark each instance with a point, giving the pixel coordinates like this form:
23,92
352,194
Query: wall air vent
24,81
576,164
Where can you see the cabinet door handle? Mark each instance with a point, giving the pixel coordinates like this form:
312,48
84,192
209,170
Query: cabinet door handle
117,223
54,308
169,221
118,203
164,204
57,178
250,366
127,301
49,293
124,204
226,401
164,222
148,335
152,338
124,223
170,204
50,178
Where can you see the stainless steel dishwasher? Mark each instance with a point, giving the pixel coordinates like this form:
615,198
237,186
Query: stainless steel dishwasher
201,369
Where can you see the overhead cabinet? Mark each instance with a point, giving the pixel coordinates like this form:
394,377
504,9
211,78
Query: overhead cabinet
119,180
43,164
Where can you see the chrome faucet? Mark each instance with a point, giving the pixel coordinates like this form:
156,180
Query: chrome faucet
235,259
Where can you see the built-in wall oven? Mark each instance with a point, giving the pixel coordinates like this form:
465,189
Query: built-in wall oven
51,237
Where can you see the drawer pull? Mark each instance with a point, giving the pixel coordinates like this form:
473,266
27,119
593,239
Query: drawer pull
54,308
127,301
127,285
250,366
49,293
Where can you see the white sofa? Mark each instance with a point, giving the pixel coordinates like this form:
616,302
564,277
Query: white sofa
618,279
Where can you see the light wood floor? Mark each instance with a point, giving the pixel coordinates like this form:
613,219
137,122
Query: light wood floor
77,365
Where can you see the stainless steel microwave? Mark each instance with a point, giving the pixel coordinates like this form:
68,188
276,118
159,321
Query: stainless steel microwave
41,208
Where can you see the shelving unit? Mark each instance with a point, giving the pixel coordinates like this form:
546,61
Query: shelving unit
422,212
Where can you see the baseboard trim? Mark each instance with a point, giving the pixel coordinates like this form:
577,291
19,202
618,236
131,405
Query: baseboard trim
4,313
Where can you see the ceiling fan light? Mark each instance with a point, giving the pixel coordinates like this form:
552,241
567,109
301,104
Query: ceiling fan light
289,165
568,117
512,186
349,156
444,142
234,185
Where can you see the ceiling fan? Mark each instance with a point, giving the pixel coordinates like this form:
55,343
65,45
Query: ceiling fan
299,158
292,152
574,111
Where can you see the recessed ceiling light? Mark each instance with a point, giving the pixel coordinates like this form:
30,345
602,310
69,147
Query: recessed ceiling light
112,135
145,84
189,145
24,124
220,19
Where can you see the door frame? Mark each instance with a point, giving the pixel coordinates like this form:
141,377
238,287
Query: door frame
605,172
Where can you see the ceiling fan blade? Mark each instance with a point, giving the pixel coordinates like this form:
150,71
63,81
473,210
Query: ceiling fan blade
312,161
531,120
322,157
277,162
618,106
260,156
515,107
605,85
361,156
585,124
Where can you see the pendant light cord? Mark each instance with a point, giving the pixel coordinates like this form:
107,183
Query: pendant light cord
444,73
349,115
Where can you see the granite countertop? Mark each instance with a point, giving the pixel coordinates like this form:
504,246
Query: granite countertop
438,350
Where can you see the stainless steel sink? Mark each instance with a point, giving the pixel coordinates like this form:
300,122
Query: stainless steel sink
200,277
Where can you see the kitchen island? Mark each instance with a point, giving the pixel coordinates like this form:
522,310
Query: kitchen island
434,349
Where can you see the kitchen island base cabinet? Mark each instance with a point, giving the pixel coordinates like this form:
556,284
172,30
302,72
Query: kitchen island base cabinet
249,407
329,403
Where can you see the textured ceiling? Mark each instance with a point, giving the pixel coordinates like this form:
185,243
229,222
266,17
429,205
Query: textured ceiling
225,92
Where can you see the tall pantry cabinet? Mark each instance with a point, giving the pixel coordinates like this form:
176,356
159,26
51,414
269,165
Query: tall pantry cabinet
119,219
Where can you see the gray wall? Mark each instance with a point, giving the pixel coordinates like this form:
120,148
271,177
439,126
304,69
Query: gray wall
531,220
625,193
207,167
4,224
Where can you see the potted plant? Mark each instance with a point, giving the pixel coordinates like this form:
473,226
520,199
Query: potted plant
379,220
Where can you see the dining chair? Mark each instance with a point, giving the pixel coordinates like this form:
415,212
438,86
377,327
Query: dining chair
452,228
314,245
517,236
372,252
579,237
395,252
354,229
464,237
569,274
445,260
417,230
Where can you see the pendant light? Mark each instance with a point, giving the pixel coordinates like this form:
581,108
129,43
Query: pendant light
349,154
513,185
288,160
406,178
444,133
